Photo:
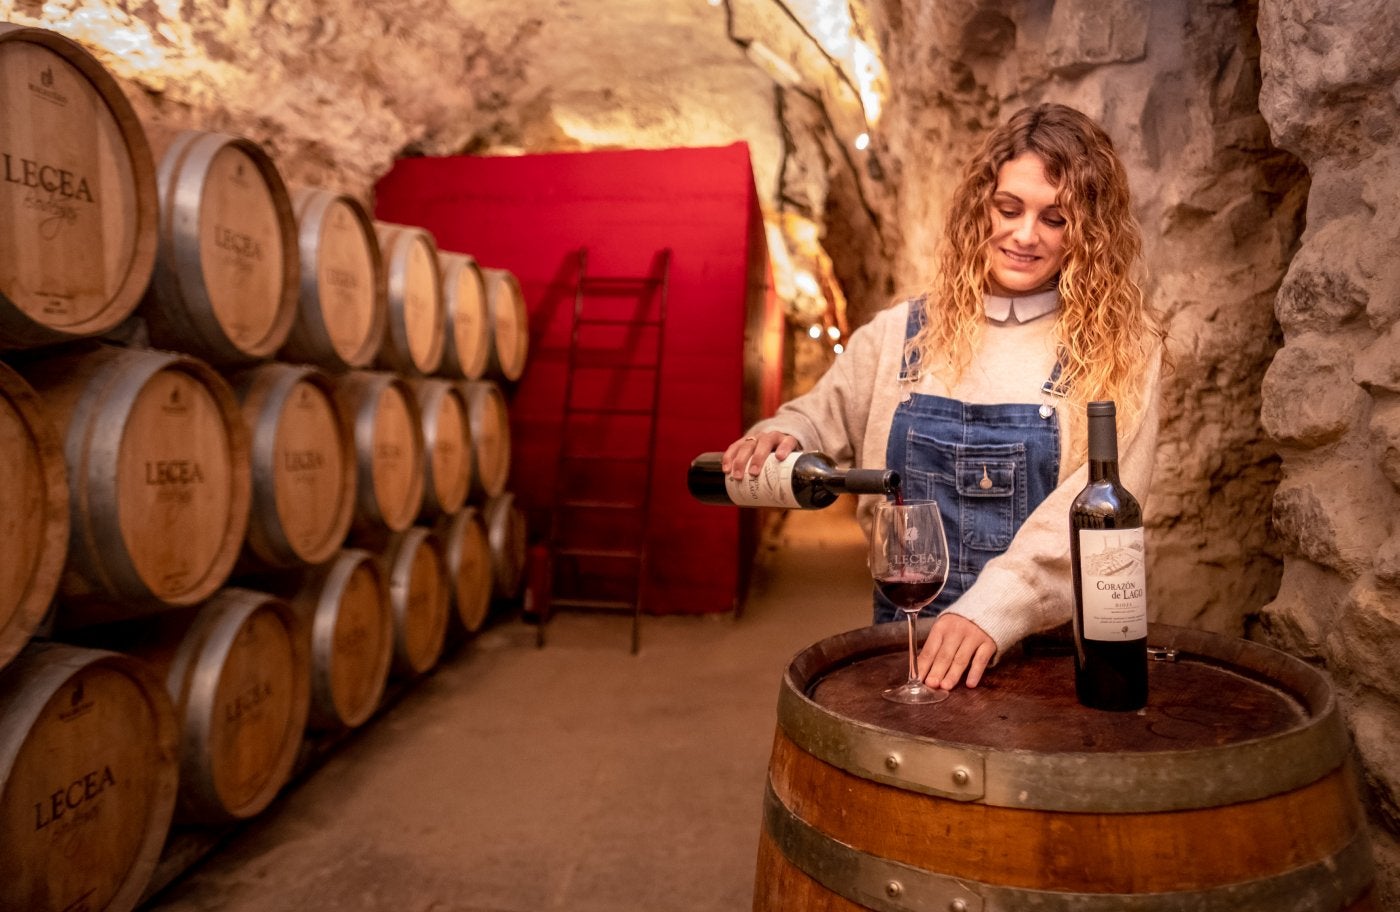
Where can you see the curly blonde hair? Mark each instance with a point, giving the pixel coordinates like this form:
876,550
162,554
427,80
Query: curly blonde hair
1104,329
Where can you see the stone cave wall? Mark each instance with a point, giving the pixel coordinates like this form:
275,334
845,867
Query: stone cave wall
336,90
1331,399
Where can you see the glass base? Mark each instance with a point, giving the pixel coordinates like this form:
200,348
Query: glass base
915,692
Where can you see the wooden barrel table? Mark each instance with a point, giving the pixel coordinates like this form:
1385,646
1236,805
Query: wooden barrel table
468,340
341,308
227,276
414,338
79,193
88,778
237,669
303,465
507,318
158,475
33,512
1230,792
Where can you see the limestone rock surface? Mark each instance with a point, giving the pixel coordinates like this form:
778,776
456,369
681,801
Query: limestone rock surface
1330,73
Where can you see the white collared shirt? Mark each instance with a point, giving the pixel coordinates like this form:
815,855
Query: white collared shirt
1021,309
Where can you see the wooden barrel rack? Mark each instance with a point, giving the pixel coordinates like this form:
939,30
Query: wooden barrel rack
258,455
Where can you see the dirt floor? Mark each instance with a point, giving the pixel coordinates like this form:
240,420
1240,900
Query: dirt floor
575,777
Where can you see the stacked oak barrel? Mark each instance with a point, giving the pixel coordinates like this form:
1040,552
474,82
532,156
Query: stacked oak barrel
254,448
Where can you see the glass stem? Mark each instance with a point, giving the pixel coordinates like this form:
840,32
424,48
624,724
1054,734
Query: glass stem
913,665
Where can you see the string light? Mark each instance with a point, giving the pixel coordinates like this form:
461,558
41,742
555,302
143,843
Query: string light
838,348
863,142
815,331
834,332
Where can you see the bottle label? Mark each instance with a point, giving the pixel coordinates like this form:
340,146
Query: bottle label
1113,577
771,487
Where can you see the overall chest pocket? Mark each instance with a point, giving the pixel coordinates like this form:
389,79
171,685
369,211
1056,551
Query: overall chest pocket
991,486
981,487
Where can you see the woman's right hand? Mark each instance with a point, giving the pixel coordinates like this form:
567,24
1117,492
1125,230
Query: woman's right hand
751,452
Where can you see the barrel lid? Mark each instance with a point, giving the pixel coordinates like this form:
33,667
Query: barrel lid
342,311
1226,720
79,193
464,294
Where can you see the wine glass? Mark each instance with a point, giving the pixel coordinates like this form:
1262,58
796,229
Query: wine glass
909,562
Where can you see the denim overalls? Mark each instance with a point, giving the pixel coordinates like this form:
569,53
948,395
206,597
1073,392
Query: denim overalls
988,466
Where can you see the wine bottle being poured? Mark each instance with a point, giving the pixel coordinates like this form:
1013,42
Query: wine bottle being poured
802,481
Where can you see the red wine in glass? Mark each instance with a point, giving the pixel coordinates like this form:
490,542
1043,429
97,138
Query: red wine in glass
910,595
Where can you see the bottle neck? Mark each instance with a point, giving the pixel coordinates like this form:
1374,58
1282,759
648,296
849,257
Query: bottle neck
862,481
1103,448
1103,470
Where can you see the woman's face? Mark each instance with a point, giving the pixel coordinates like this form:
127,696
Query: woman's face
1028,229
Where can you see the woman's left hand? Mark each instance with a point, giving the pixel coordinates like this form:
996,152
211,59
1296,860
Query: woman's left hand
953,646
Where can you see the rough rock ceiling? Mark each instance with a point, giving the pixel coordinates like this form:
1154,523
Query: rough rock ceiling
338,89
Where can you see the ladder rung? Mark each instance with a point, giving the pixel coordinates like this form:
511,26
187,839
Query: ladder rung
615,321
594,604
618,553
581,410
612,367
645,280
603,457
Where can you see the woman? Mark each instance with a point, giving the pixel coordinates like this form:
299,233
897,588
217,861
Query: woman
975,392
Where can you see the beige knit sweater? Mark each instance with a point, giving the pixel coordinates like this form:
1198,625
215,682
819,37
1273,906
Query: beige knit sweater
848,413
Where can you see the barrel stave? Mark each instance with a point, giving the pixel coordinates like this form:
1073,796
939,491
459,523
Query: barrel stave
419,598
345,605
468,335
236,670
303,466
227,270
88,779
414,337
507,535
34,518
341,307
158,472
387,430
447,451
488,425
467,550
509,325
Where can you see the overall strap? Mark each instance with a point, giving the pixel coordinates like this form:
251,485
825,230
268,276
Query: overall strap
1051,389
909,362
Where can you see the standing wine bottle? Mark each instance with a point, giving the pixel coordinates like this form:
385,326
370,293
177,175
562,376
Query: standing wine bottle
803,481
1109,557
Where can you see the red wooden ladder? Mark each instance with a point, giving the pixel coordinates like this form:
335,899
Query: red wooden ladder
599,528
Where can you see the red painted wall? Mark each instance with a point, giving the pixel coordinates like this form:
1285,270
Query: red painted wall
532,214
